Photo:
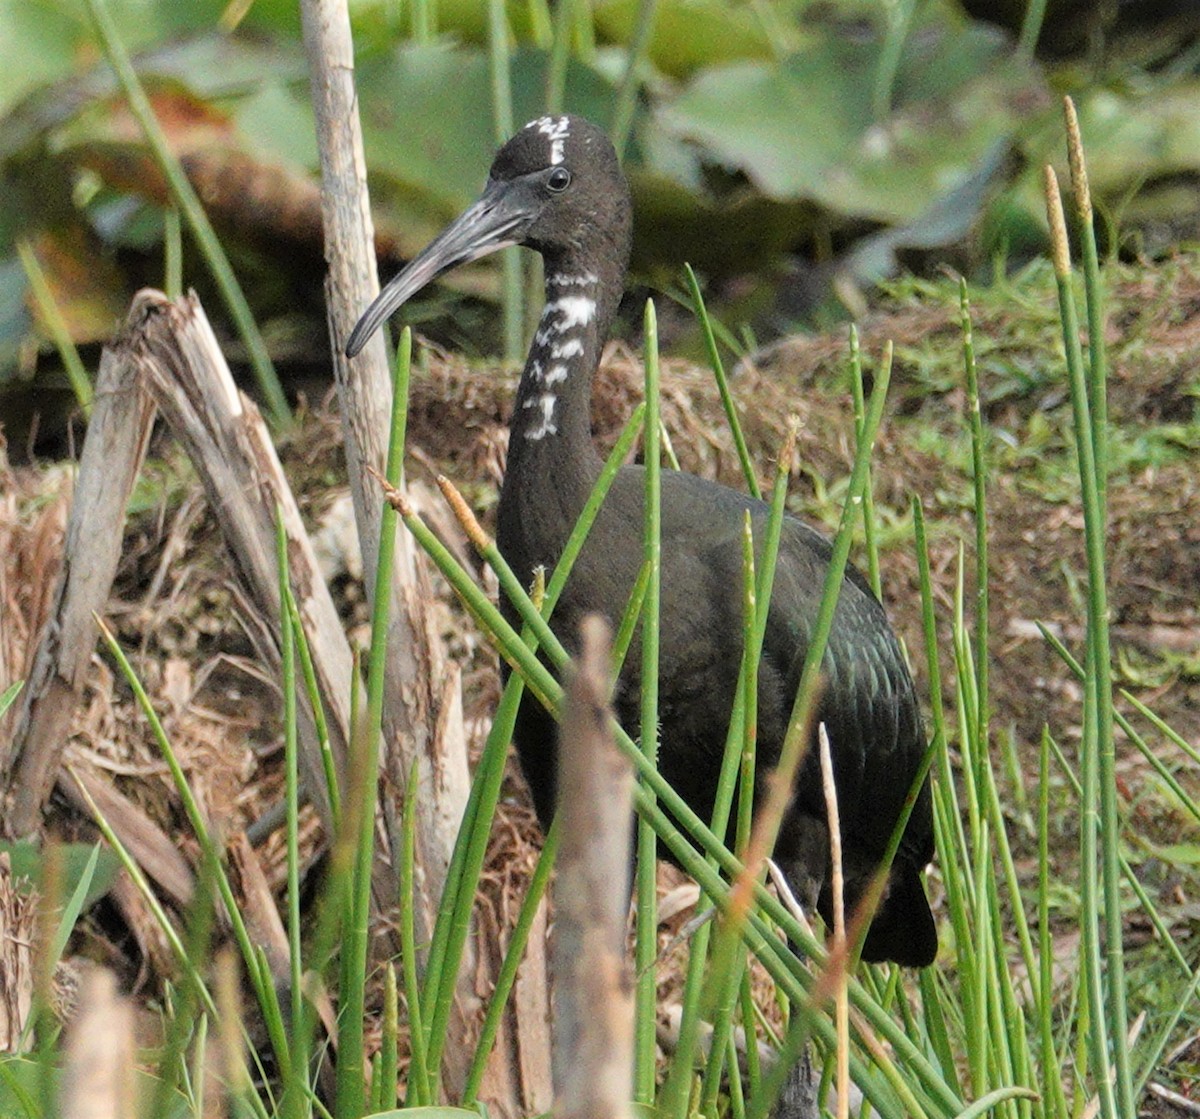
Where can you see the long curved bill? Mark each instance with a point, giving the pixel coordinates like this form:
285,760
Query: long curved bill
499,219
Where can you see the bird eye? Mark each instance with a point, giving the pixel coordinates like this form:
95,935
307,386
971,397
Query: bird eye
559,179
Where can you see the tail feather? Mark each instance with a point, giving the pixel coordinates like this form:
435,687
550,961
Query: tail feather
903,928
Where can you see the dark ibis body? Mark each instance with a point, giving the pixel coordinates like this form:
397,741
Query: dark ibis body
557,187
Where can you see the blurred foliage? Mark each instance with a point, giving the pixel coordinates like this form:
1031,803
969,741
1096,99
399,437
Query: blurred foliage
807,146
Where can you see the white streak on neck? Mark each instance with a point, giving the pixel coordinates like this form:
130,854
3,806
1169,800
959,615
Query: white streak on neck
569,311
546,425
563,280
572,347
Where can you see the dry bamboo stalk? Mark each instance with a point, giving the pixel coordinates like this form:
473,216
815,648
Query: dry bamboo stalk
593,987
422,718
112,455
417,729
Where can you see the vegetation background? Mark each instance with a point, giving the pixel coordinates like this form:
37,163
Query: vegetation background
815,163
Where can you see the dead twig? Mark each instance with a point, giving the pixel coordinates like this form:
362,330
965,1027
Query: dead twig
593,995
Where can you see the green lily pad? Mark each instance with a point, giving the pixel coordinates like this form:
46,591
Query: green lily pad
690,34
805,128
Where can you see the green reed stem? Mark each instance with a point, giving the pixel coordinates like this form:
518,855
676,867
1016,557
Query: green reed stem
635,58
351,1065
420,1085
646,937
263,986
172,252
718,369
499,58
313,691
60,333
1099,807
560,55
870,536
979,474
513,956
296,1089
190,206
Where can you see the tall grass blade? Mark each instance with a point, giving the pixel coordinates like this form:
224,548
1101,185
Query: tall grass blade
513,955
635,58
164,923
499,61
646,936
296,1088
60,333
351,1067
9,696
560,54
190,206
718,369
421,1087
263,986
1031,28
1099,817
172,252
870,537
187,995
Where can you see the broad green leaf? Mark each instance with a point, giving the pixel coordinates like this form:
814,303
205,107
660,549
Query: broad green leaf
43,41
26,861
425,122
276,121
805,128
37,45
689,35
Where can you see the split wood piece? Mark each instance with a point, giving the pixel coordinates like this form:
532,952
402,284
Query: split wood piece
98,1077
112,456
173,351
148,845
155,952
593,985
265,927
531,1019
422,720
18,923
263,922
516,1082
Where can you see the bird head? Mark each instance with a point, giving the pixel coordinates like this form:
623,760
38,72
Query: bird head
556,187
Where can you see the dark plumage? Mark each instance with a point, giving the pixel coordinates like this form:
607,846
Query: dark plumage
557,187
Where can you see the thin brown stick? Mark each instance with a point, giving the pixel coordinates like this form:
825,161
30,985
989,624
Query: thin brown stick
838,949
98,1080
593,995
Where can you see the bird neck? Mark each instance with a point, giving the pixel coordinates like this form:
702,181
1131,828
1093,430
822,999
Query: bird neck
551,422
552,461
